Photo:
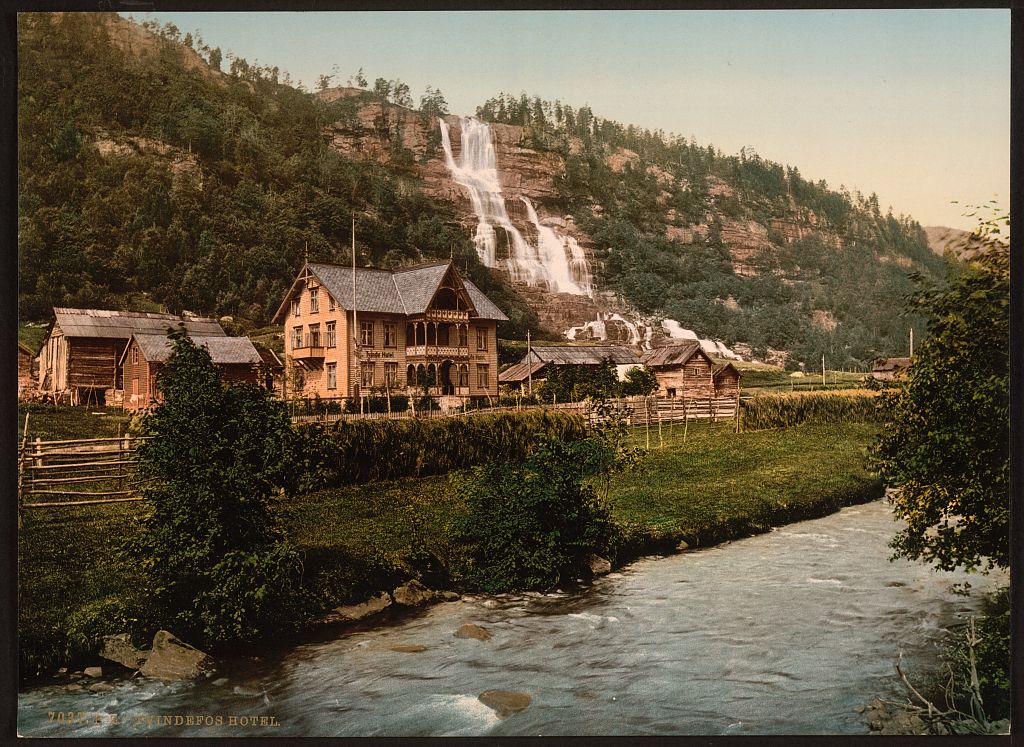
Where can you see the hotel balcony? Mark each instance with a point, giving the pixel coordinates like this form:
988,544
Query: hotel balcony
446,315
311,349
436,351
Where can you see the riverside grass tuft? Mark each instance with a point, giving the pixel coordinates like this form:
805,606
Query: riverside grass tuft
784,410
347,453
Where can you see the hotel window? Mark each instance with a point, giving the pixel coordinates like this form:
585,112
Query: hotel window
463,336
295,307
391,374
314,300
482,375
367,334
314,335
463,375
332,335
481,339
331,305
367,375
297,337
390,339
332,375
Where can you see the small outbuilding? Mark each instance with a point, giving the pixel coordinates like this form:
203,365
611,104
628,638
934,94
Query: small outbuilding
682,370
726,378
271,371
26,370
887,369
145,355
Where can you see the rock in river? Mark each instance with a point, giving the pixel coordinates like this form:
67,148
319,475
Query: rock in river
598,566
412,594
408,648
119,649
504,702
358,611
469,630
172,659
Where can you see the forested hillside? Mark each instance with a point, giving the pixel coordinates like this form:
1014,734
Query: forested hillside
150,179
146,182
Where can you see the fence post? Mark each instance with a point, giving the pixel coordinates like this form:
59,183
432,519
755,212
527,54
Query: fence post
686,419
21,471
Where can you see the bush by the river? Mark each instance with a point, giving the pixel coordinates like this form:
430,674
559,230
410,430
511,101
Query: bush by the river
345,453
785,410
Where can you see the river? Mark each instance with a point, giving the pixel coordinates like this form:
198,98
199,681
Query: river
783,633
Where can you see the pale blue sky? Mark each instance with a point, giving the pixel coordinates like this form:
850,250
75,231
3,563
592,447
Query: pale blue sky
913,105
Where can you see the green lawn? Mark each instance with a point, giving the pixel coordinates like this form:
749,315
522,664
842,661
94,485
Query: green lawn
64,423
360,539
31,335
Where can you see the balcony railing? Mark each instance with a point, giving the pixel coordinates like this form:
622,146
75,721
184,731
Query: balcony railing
446,315
436,351
307,347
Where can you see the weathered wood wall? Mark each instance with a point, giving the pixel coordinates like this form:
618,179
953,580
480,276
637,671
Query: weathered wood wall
727,383
692,380
92,362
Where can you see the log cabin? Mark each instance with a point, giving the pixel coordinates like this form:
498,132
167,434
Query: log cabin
145,355
400,331
682,370
888,369
26,370
726,378
80,353
534,365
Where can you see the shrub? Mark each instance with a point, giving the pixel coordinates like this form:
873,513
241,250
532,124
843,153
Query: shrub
216,566
530,526
399,403
784,410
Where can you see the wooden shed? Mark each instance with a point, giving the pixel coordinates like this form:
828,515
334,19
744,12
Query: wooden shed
726,378
26,370
887,369
682,370
145,355
80,353
271,371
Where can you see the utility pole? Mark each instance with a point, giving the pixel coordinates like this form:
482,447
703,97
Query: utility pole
529,362
911,342
823,369
355,324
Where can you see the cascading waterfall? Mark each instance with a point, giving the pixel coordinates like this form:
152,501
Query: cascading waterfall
556,263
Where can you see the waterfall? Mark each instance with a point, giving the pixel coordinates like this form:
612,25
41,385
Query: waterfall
638,334
556,263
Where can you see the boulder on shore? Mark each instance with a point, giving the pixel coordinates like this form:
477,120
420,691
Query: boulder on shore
412,594
469,630
598,566
504,702
173,659
93,671
352,612
119,649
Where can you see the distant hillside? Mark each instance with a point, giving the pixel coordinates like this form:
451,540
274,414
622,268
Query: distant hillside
958,243
149,178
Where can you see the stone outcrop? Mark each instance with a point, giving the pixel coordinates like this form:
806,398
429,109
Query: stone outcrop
119,649
413,594
173,659
505,702
407,648
353,612
598,566
469,630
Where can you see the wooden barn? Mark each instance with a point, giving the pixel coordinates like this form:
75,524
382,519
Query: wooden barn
887,369
682,370
26,370
144,355
726,378
80,353
536,362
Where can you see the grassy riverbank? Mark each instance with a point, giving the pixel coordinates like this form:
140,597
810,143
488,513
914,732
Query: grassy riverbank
359,539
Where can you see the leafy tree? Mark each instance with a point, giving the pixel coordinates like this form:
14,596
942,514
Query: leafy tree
639,382
945,445
218,568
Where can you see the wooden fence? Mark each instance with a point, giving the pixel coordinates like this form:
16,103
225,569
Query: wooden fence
76,472
643,410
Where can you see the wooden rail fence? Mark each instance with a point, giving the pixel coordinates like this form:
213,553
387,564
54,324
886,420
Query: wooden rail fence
76,472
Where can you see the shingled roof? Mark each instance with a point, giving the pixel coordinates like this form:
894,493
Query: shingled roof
123,324
672,355
405,292
224,350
